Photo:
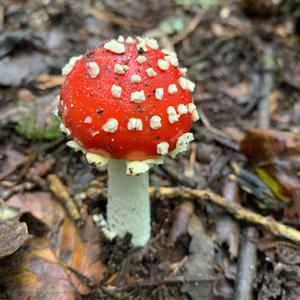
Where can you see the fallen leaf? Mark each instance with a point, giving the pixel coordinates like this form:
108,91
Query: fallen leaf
263,145
181,221
42,206
240,92
36,119
8,41
224,289
12,236
227,229
200,262
80,248
45,81
33,272
276,158
12,160
12,233
16,69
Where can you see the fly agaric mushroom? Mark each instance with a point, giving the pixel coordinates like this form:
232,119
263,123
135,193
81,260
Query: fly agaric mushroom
127,104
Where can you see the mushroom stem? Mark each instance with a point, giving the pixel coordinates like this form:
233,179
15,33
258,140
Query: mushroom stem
128,207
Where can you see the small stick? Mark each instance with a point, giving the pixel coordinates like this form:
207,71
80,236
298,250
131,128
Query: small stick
208,125
266,86
164,281
234,209
247,265
191,26
61,192
242,213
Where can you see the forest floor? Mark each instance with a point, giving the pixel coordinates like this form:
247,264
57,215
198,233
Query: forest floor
232,199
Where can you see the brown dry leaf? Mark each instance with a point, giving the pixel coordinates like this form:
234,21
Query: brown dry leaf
227,229
12,160
239,91
45,81
80,248
200,262
12,236
41,168
12,233
42,206
33,272
181,221
276,155
263,145
286,29
274,98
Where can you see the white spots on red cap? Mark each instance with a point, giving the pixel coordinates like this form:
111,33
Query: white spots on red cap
129,40
159,93
87,120
138,96
172,115
172,60
152,43
135,124
111,125
94,133
163,64
75,146
116,91
186,84
67,69
142,46
135,78
64,129
96,159
193,110
162,148
172,89
141,59
183,71
150,72
121,39
66,108
185,139
182,109
171,57
115,47
55,111
120,69
182,144
142,166
93,69
155,122
171,110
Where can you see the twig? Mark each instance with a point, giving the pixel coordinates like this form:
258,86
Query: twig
244,214
61,192
266,86
181,221
90,284
164,281
248,255
247,265
209,127
223,141
106,16
191,26
234,209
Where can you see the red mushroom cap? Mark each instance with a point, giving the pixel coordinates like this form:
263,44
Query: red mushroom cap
126,100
